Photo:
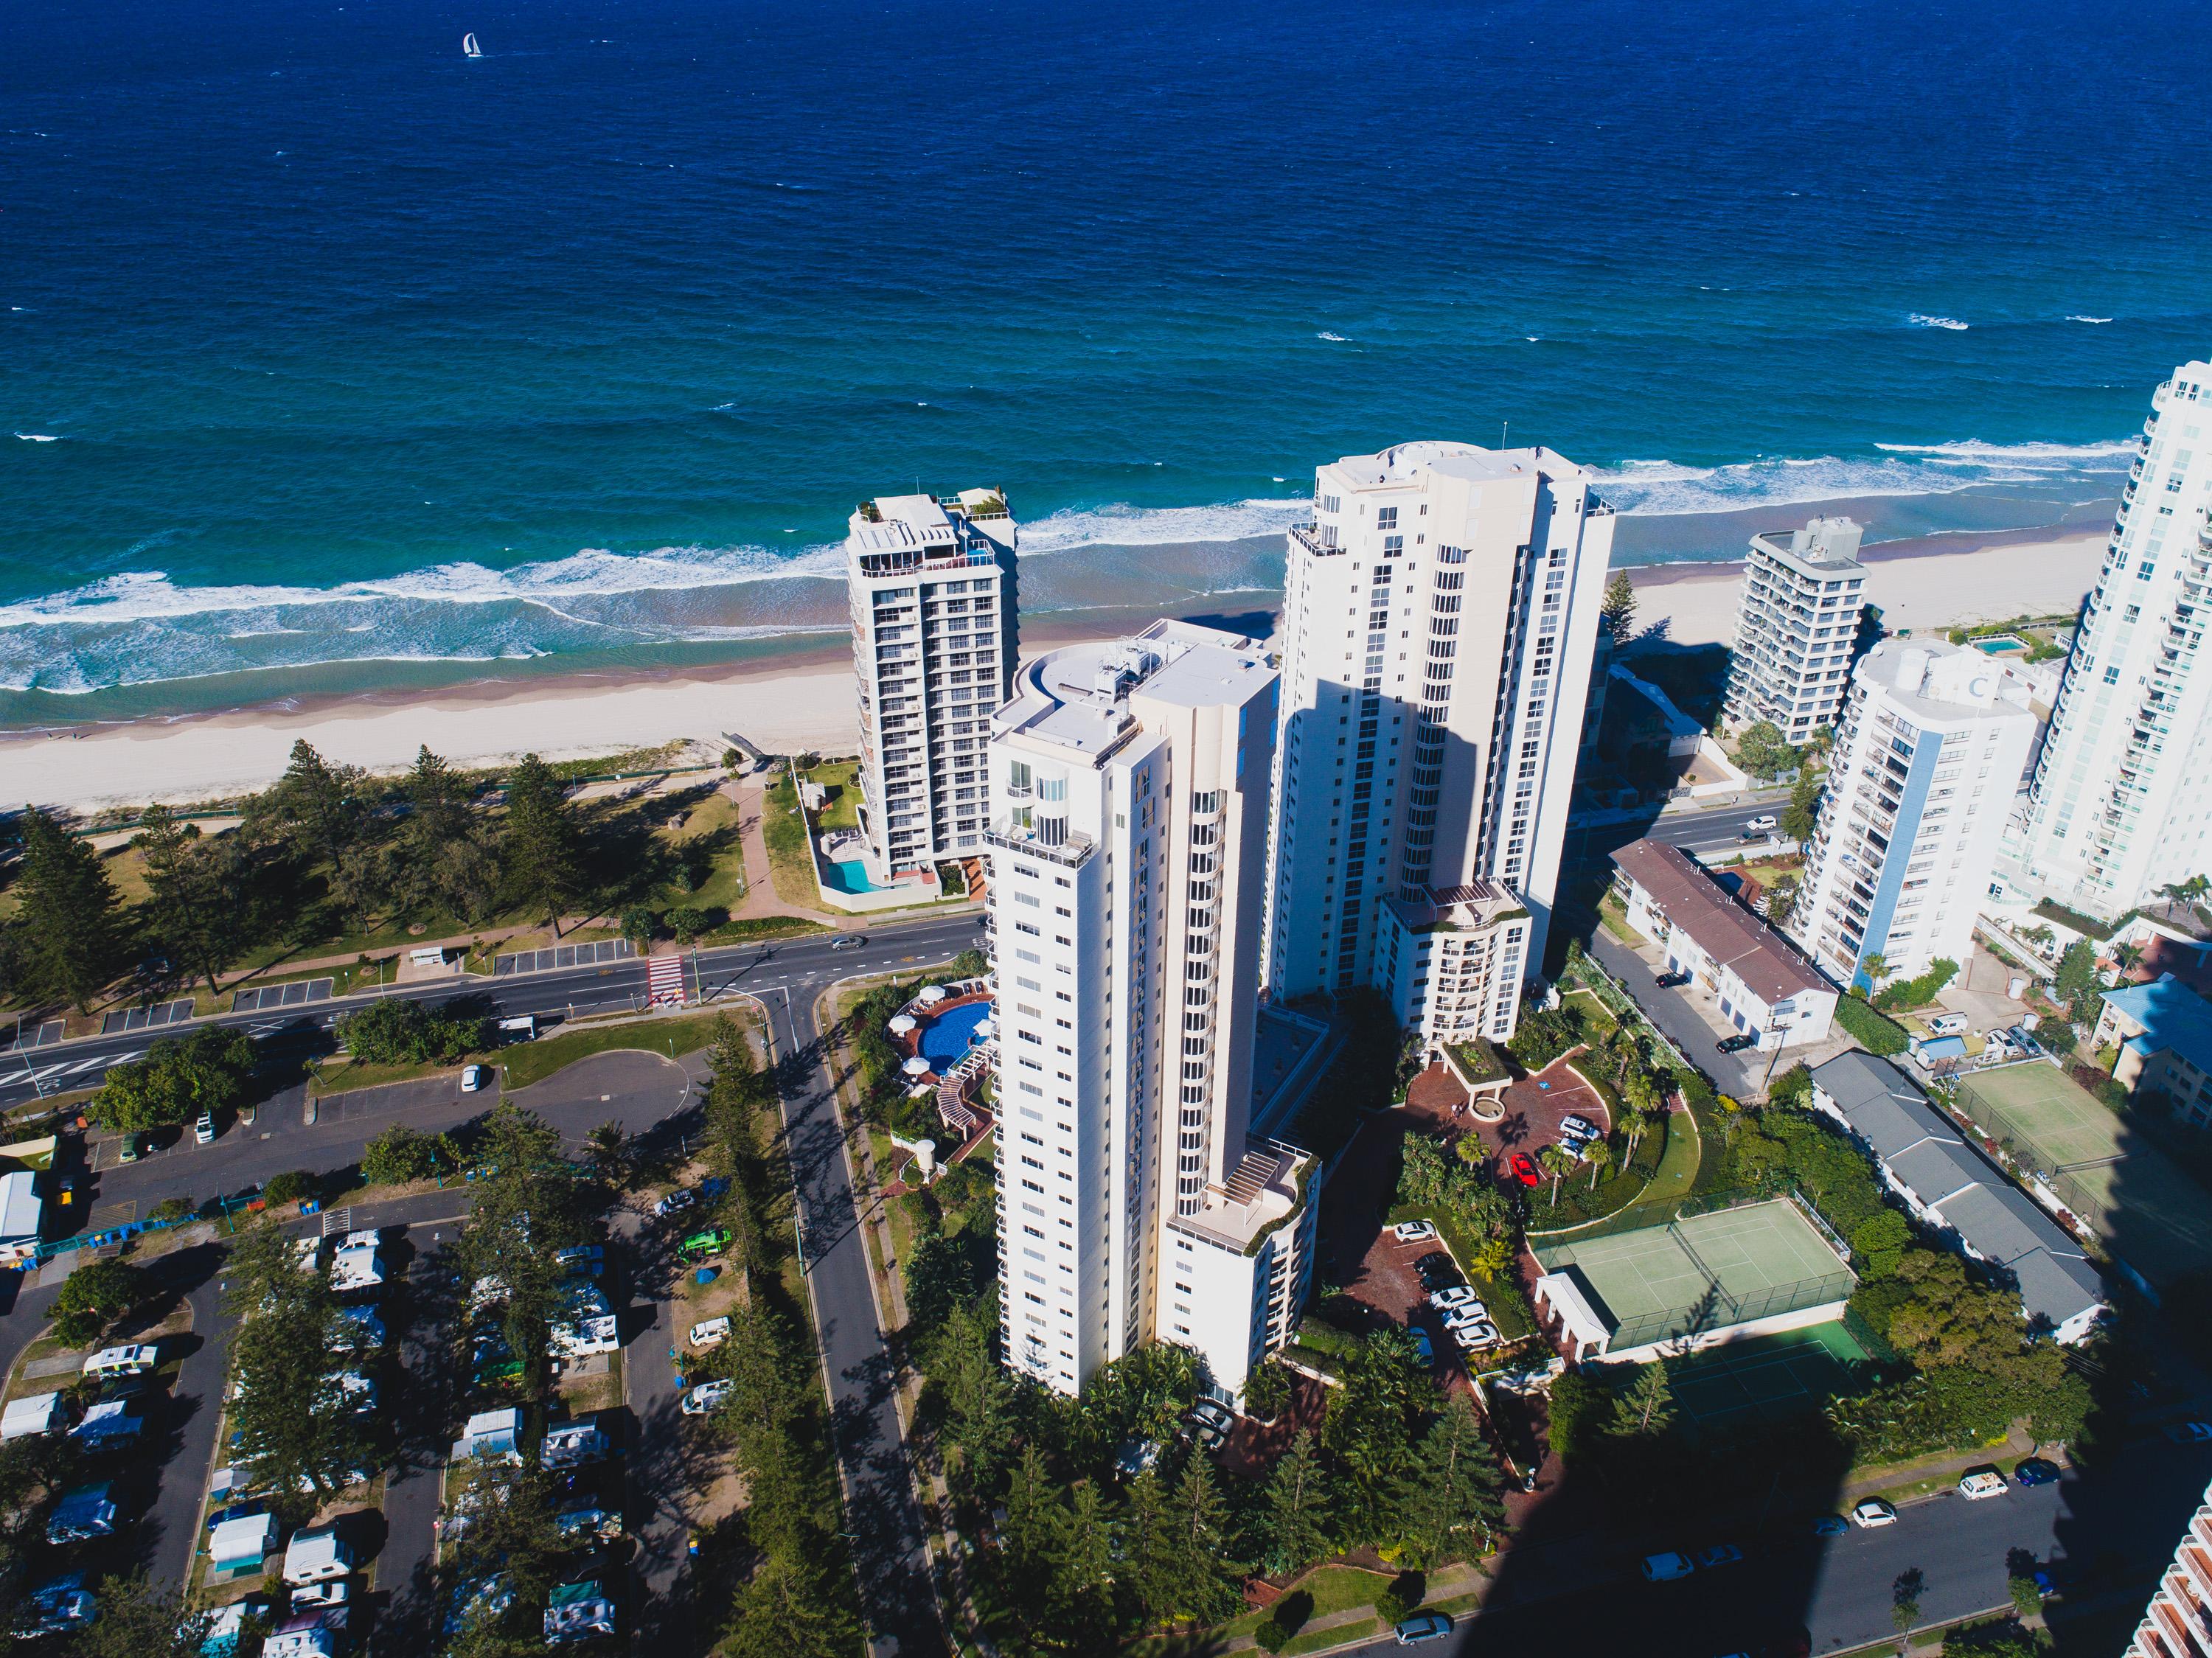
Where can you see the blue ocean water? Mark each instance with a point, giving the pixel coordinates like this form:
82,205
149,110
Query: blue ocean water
323,344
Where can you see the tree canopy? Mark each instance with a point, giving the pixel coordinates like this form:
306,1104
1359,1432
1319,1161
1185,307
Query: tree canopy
179,1078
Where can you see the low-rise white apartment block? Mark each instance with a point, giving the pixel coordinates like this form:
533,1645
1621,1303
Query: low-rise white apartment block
2121,803
1440,623
1130,787
1796,624
931,587
1453,961
1922,776
1764,987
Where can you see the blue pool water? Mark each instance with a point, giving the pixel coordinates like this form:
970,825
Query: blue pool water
947,1037
850,876
2001,645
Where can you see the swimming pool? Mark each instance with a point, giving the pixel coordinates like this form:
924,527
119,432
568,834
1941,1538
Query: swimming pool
2000,643
946,1038
849,875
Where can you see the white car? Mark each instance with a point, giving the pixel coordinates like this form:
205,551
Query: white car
1577,1129
1666,1567
1764,822
204,1130
473,1078
1873,1512
706,1396
1474,1338
1454,1297
711,1334
1976,1484
330,1592
1412,1231
682,1198
1467,1312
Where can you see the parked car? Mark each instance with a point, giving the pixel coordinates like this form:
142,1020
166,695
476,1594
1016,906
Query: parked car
709,1332
1438,1270
473,1078
1976,1484
1830,1525
1667,1568
204,1130
1577,1128
1465,1314
2189,1433
1763,822
1422,1345
847,941
682,1198
1874,1512
128,1154
1454,1297
1213,1413
1422,1626
1674,980
1738,1042
699,1245
1749,834
1475,1338
2035,1471
1412,1231
1720,1554
1524,1170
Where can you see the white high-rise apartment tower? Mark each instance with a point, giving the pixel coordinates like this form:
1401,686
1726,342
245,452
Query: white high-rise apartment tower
1129,787
931,587
1925,766
1796,624
2122,797
1440,618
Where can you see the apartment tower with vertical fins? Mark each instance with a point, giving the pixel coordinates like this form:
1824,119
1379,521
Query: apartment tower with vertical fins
1130,785
1441,616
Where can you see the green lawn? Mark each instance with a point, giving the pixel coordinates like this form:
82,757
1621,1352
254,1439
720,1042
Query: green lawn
790,863
533,1062
714,818
839,781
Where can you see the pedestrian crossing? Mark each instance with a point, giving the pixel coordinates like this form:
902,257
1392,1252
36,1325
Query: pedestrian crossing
663,981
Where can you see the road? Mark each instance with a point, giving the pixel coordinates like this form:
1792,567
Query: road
890,1553
1954,1556
1739,1074
787,976
1714,830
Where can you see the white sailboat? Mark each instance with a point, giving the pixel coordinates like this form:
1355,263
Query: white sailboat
469,46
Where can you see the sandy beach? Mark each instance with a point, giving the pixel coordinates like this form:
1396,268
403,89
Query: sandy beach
803,699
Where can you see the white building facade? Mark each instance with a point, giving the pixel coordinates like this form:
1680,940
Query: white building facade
1452,962
2122,797
1439,626
1923,771
1798,622
931,587
1130,785
2178,1622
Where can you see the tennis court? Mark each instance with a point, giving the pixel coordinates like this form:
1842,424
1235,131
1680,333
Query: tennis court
1705,1272
1766,1375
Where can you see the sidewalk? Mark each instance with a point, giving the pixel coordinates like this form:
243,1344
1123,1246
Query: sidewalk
761,900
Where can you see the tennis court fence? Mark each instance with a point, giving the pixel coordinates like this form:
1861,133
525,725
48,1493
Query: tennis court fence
2017,1140
1720,1309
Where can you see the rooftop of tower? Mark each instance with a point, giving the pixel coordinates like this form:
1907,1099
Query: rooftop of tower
891,534
1404,463
1078,698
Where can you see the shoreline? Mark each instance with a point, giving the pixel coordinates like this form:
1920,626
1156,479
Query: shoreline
194,757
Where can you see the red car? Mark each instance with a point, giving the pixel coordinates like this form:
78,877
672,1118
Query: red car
1524,1170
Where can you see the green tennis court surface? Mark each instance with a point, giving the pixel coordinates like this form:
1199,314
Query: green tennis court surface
1706,1272
1767,1375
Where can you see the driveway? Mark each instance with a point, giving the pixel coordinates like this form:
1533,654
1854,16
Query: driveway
1690,1017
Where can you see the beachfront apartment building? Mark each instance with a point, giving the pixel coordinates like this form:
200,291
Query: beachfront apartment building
930,583
1130,783
2178,1622
1440,621
1925,766
2121,801
1797,628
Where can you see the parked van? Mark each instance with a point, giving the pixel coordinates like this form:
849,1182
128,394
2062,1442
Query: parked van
522,1028
1949,1024
139,1358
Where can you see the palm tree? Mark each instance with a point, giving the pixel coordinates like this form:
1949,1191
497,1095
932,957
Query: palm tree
1600,1159
1557,1162
1875,966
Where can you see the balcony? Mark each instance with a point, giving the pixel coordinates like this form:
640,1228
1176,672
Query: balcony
1072,853
1305,536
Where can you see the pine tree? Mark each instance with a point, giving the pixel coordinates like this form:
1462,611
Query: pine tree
1453,1503
1650,1401
1294,1525
1152,1554
1617,613
1210,1585
789,1611
69,920
541,854
1034,1541
314,811
1082,1596
198,900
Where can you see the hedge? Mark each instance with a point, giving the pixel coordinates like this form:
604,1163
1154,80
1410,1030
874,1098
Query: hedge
1918,993
1873,1031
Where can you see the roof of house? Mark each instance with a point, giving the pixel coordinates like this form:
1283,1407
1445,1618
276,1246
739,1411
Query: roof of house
2173,1018
1769,965
19,1205
1961,1188
2192,964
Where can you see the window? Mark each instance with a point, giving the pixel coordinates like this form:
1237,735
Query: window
1386,518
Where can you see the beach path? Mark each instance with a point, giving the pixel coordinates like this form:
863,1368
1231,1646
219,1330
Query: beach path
760,899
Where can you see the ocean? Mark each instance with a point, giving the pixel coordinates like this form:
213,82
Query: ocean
334,360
